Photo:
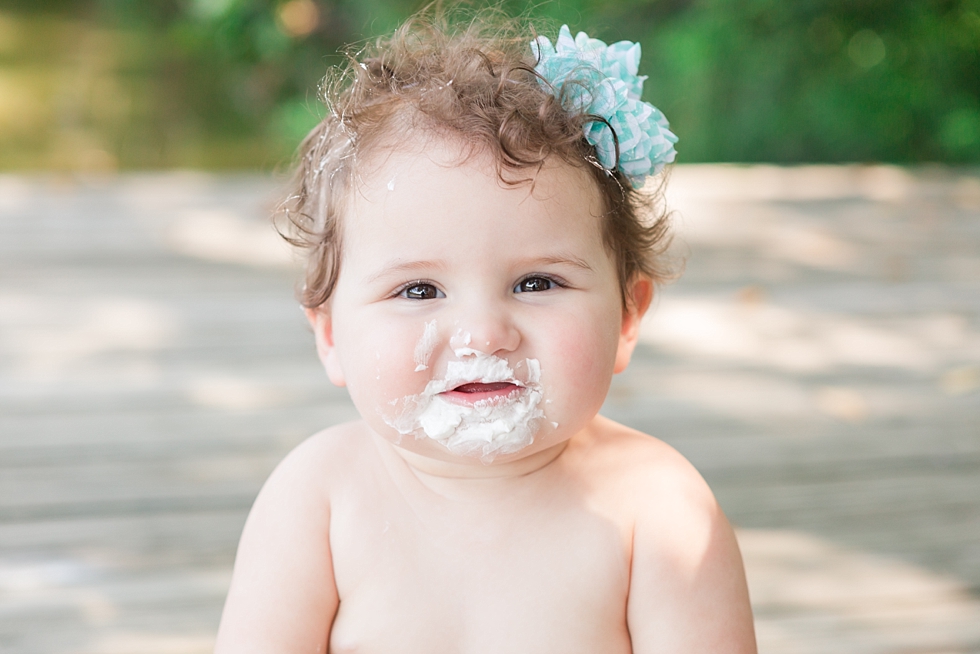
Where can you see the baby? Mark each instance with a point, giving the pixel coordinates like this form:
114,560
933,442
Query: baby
480,256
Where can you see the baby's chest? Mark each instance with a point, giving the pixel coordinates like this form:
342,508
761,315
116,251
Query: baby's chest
546,582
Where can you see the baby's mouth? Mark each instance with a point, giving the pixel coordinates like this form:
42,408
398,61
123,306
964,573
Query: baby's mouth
479,391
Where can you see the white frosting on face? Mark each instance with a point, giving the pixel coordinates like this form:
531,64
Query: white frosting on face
423,349
460,342
484,428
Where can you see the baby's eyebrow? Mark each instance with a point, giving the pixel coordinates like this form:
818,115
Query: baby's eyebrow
564,259
398,266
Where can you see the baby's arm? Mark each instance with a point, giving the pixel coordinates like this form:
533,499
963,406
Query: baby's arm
687,583
283,597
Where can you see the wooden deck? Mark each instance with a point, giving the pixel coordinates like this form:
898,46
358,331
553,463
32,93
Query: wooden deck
819,361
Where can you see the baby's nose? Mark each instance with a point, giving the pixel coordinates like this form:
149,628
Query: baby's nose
488,329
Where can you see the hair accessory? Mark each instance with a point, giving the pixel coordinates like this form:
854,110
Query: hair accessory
593,78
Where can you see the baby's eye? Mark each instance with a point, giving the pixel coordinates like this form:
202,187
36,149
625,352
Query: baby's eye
534,284
421,291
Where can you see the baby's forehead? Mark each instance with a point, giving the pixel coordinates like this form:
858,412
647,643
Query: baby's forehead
446,187
440,157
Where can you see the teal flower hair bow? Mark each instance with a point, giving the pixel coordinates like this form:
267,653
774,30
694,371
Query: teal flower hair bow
593,78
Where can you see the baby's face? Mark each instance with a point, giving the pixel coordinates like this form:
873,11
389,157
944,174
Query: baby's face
473,321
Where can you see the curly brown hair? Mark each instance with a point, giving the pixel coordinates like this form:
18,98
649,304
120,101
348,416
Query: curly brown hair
471,80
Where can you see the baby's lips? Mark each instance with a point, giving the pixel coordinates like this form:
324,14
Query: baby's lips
481,392
486,387
501,383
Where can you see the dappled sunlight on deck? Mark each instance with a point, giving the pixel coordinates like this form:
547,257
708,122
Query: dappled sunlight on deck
819,362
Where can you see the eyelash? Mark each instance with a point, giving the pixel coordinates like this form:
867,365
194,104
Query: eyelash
555,281
402,290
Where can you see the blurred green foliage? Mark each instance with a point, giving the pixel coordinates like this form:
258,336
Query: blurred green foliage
101,84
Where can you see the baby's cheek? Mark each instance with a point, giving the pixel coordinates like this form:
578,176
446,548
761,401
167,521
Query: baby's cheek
581,364
384,369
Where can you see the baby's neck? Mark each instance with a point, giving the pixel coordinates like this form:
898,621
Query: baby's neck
430,467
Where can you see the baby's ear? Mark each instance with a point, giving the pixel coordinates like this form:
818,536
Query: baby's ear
323,332
639,294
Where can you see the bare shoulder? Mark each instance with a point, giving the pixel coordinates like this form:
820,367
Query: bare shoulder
283,596
324,458
651,477
687,583
671,506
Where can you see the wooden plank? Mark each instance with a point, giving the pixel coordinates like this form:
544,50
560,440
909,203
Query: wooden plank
134,435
